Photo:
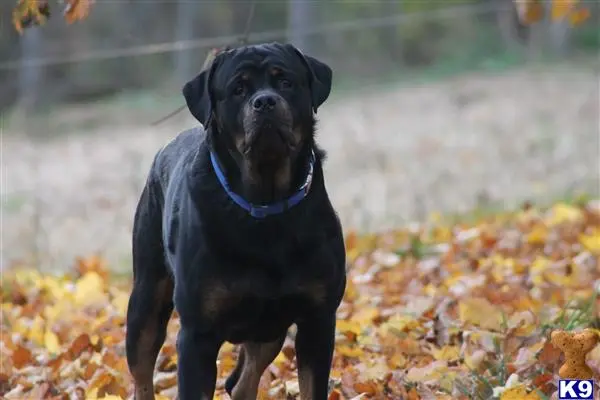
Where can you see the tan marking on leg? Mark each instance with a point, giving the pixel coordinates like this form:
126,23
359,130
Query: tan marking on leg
257,358
305,379
146,358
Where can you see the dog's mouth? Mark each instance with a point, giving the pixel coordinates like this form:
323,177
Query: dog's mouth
268,139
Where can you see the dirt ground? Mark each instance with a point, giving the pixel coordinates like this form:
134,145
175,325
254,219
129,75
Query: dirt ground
394,155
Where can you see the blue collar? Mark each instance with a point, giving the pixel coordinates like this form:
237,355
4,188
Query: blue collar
262,211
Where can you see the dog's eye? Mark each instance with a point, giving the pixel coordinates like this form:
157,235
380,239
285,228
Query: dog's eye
239,89
285,83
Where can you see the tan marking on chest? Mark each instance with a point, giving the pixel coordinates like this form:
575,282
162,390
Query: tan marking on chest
316,291
217,297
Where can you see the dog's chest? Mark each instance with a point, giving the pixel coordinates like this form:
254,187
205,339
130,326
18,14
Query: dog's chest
259,307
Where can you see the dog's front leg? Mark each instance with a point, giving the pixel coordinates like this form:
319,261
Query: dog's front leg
314,350
197,363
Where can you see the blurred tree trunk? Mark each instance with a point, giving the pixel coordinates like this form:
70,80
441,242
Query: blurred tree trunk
184,30
388,35
559,35
514,34
301,15
30,75
10,50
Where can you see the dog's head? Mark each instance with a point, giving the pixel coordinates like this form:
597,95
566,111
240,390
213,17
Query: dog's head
258,101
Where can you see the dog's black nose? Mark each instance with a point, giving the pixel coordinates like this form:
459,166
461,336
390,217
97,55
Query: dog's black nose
264,102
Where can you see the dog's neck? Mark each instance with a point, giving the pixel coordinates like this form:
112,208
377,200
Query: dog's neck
262,183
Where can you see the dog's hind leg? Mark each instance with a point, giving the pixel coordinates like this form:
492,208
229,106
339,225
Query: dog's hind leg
254,358
151,301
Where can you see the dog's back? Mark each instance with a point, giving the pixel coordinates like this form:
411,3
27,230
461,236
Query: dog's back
180,149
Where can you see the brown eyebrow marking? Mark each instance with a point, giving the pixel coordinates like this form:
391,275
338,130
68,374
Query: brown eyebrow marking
275,71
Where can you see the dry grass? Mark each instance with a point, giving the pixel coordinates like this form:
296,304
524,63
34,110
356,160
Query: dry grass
393,155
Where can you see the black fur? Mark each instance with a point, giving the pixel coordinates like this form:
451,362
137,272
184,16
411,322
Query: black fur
230,276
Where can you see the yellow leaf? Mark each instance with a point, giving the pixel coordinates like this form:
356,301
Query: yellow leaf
53,287
560,8
518,393
352,254
111,397
89,289
366,315
591,242
537,269
538,234
562,213
120,302
91,394
27,276
350,351
397,361
560,279
51,342
446,353
36,331
281,359
399,323
172,362
57,310
344,326
447,381
480,312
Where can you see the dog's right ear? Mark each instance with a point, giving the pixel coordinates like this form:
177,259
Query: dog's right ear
198,94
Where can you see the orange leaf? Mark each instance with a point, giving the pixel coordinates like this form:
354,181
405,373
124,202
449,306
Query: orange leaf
335,395
413,394
530,11
289,352
79,345
76,10
580,16
368,387
541,381
21,357
91,264
549,356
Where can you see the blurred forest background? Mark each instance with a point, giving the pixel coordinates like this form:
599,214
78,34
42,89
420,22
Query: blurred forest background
437,106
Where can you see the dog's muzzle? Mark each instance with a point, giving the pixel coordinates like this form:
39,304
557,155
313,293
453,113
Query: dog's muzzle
268,125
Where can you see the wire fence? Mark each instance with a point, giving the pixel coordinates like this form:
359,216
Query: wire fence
214,42
436,111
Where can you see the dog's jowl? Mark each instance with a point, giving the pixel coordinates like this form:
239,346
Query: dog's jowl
235,230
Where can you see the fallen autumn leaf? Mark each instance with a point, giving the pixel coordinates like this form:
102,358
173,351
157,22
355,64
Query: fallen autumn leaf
466,315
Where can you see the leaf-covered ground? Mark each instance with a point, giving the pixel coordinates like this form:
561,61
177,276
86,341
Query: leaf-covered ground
436,311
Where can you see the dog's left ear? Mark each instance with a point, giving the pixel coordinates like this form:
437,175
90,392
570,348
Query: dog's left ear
198,94
320,77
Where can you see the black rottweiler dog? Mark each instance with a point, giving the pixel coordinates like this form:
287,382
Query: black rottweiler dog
235,229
